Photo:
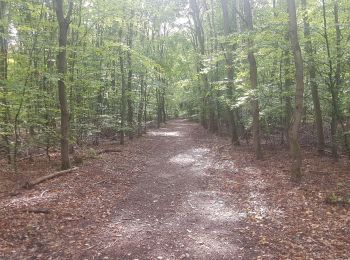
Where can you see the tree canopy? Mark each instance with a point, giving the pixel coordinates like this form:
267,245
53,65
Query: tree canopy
74,71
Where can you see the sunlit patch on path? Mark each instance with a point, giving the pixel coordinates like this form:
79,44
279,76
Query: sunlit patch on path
172,212
165,134
194,156
225,165
213,207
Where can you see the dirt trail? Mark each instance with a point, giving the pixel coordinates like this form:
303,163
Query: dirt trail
180,193
176,210
164,196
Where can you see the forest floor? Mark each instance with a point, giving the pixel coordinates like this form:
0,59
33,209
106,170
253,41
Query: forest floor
178,193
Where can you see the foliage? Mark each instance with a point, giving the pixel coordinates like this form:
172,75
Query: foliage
155,48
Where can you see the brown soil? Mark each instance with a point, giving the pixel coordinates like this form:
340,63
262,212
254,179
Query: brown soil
179,193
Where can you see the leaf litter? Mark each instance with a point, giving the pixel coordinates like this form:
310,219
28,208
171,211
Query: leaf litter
179,193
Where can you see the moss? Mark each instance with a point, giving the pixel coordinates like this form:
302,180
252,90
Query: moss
338,199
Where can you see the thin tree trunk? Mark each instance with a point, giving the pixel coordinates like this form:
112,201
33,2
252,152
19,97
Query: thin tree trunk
288,110
158,109
145,110
216,94
63,23
164,115
200,39
332,88
212,119
337,76
74,42
229,73
313,83
47,85
3,76
123,90
253,72
281,100
141,107
299,93
129,84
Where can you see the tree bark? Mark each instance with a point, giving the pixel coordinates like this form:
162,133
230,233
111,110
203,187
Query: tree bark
337,76
164,115
159,109
229,73
63,23
123,91
200,39
129,85
299,93
332,88
253,72
3,76
288,81
141,106
313,83
212,118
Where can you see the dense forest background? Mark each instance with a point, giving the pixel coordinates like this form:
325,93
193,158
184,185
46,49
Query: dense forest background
74,72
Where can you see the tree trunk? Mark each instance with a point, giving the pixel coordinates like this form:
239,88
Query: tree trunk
164,116
338,79
73,61
288,110
63,23
215,95
200,39
253,72
3,76
129,85
332,89
229,73
212,119
141,107
299,93
313,83
123,90
145,110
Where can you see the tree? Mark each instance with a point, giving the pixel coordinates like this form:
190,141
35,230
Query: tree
63,23
3,78
313,83
123,91
253,75
129,81
299,93
121,64
229,68
200,44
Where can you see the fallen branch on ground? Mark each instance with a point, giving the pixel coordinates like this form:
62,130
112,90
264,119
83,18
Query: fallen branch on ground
14,193
37,211
101,182
110,151
30,184
30,157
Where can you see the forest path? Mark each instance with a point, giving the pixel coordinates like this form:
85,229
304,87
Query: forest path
176,209
178,193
